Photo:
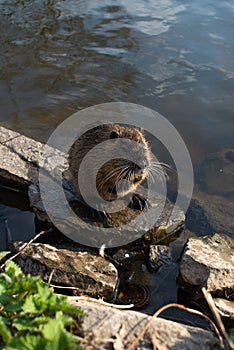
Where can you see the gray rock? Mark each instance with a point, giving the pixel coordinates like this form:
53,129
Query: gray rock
21,158
165,229
88,273
209,262
25,161
226,310
159,255
108,328
14,170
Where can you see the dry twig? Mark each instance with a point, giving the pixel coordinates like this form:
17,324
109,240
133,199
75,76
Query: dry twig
182,307
217,317
100,302
24,246
157,343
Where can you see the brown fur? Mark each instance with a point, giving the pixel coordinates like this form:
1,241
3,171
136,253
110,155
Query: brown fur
107,178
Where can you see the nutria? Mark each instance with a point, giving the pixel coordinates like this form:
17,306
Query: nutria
115,169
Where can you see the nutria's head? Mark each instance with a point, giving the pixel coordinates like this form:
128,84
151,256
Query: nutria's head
115,169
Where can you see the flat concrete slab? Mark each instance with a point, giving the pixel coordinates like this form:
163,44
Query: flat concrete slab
20,161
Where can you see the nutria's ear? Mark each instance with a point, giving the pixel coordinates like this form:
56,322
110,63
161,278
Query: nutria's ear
114,135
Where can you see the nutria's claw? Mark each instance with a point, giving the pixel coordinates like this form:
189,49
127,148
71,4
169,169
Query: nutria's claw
139,202
106,215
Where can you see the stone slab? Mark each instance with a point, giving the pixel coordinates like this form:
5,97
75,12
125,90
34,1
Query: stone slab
107,328
209,262
21,159
88,273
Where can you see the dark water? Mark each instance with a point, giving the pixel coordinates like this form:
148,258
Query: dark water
16,221
176,57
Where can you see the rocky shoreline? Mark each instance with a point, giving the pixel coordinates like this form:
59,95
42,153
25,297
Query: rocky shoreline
119,278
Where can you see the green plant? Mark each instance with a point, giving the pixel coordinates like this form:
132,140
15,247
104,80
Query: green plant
231,334
32,316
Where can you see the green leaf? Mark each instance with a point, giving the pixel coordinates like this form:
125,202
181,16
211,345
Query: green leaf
13,270
65,306
41,320
29,342
2,288
32,316
52,329
32,304
5,333
44,290
6,278
14,306
24,324
5,299
57,336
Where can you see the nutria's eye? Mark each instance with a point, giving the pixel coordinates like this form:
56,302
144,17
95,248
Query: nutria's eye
114,135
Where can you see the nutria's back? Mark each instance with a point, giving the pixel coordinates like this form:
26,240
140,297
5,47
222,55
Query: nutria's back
115,169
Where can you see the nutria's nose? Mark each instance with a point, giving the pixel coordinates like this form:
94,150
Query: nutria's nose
138,177
136,168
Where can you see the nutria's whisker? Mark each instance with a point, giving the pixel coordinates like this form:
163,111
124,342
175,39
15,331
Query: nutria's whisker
156,174
162,166
122,174
113,173
118,174
158,165
150,175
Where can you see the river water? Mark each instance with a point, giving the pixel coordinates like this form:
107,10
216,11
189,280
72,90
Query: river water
176,57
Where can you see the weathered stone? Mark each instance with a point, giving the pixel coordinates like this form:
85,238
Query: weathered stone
21,158
165,229
108,328
159,255
209,262
14,170
226,310
19,167
88,273
218,170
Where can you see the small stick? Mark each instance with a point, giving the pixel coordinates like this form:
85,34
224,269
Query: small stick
217,317
24,246
165,307
101,302
50,276
89,299
58,286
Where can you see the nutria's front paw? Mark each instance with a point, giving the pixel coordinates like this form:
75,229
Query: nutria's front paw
138,202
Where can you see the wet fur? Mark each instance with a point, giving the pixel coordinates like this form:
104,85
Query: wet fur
116,169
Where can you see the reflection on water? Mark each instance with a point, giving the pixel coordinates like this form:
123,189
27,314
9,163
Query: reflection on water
15,225
60,56
16,221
